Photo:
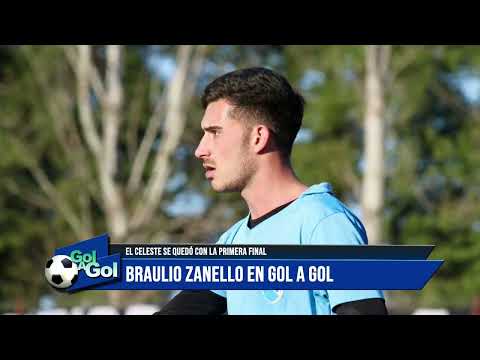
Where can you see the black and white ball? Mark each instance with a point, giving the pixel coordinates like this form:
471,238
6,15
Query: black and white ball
61,272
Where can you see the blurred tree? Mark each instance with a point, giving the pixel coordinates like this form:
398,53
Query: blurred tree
101,139
432,191
72,147
431,150
19,237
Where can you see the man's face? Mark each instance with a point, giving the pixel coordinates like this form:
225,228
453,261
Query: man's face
224,149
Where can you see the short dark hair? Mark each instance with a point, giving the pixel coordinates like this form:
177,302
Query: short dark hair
264,96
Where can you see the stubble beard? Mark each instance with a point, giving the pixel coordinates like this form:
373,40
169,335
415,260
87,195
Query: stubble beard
245,172
241,180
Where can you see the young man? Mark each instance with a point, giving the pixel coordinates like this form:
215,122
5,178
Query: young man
251,119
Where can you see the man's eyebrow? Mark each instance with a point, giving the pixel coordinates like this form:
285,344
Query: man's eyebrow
212,128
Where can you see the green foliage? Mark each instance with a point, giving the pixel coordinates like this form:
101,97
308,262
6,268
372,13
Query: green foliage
432,151
433,192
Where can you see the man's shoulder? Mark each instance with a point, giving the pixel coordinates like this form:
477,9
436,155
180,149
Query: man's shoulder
324,209
328,217
319,206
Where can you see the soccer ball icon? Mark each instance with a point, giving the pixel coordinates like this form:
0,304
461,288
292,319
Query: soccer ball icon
61,272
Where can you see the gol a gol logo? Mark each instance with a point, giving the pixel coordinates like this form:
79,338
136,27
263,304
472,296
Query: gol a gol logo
88,263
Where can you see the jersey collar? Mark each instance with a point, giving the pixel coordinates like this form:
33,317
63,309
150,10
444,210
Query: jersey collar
321,188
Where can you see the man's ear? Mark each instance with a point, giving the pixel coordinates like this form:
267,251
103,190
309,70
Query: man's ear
261,136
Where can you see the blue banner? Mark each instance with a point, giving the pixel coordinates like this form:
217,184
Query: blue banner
214,267
156,274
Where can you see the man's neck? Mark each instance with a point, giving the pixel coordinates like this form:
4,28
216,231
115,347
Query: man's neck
270,189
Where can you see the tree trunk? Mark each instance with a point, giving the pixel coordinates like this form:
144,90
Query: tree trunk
377,59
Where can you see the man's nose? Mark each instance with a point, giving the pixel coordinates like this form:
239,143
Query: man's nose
201,150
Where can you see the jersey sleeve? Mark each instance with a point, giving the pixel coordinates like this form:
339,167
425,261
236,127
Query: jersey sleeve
339,229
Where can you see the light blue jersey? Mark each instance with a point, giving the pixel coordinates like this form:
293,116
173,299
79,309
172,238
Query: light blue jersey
315,218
